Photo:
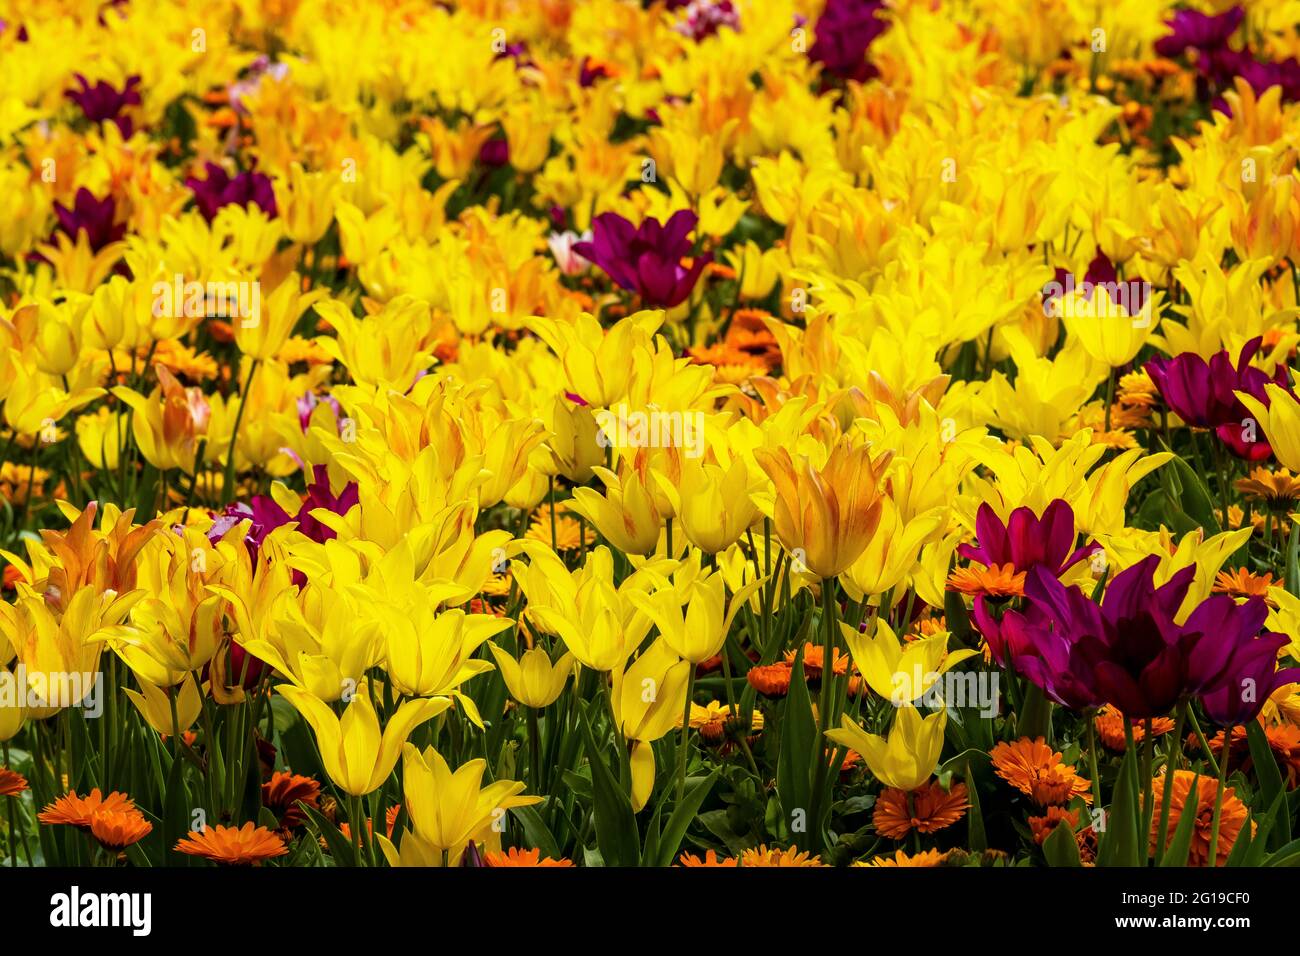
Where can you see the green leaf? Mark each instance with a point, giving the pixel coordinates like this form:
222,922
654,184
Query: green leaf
1120,842
683,814
536,832
1060,848
1270,780
799,743
344,854
1181,844
616,830
176,813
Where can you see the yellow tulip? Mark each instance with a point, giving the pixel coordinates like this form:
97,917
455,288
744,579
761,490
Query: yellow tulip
698,634
893,551
907,758
450,809
1106,329
356,755
901,672
571,449
626,514
1280,421
826,517
533,680
262,334
305,202
647,698
154,704
713,505
432,654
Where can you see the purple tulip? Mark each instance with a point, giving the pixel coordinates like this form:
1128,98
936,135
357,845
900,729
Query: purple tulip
494,153
1202,394
1193,30
266,515
705,17
844,32
1253,675
1026,540
219,189
94,217
646,260
1129,651
103,103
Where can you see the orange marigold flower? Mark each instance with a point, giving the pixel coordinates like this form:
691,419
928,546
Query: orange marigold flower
1110,728
925,858
1232,816
118,829
1003,581
1241,583
1279,489
12,782
711,859
926,809
517,857
1042,827
235,846
284,791
814,657
1036,770
771,680
775,856
77,811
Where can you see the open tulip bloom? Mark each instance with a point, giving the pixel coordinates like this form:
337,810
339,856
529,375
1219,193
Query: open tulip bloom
730,433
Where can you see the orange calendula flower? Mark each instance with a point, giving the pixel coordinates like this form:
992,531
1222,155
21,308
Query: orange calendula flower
771,680
1241,583
118,829
1042,827
763,856
926,809
248,845
519,857
1110,728
76,811
1279,490
1232,817
12,782
711,859
1036,770
925,858
997,581
284,791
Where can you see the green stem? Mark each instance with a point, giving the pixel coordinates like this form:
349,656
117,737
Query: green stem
1218,802
228,478
683,746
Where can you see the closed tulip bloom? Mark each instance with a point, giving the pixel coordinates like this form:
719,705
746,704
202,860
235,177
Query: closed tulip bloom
155,706
1107,330
907,757
1026,541
648,697
571,449
356,754
533,680
430,655
306,203
626,514
713,504
827,515
450,809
